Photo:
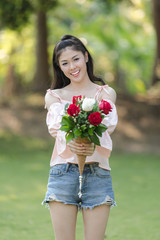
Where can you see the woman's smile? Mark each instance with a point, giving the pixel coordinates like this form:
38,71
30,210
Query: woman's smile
76,73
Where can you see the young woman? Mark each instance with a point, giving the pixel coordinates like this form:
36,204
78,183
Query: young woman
73,76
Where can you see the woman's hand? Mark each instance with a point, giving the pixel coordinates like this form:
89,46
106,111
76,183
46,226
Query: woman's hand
86,149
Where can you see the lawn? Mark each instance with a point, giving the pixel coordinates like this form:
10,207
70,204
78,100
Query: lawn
24,166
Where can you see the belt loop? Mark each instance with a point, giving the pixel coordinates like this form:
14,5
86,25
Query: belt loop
91,168
67,167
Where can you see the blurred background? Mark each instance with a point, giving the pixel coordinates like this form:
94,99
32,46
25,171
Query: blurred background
123,36
124,40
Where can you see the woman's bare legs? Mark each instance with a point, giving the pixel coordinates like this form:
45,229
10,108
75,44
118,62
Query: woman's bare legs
64,218
95,222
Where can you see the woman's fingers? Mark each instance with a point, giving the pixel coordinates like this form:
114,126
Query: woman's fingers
82,148
75,145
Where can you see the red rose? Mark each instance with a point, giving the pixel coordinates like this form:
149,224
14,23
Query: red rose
73,110
95,118
76,98
105,107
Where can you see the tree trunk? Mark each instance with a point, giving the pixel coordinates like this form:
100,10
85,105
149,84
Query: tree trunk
10,81
156,17
42,80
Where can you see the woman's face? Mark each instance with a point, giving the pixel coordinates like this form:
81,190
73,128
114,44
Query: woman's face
73,64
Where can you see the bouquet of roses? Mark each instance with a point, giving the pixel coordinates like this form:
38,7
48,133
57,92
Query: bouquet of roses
82,121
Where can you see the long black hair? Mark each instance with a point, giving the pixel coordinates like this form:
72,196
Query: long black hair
60,80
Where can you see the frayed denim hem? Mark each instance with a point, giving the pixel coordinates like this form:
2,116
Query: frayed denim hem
108,201
53,198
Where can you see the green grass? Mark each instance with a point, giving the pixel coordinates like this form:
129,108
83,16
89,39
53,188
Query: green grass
24,166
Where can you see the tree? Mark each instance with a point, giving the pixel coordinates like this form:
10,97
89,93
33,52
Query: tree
42,80
14,15
156,18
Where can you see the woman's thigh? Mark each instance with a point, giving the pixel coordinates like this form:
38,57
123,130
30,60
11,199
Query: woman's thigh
64,217
95,222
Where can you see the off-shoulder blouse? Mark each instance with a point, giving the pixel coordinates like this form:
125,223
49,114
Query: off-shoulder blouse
61,152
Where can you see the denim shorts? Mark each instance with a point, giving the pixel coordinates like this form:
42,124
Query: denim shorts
63,186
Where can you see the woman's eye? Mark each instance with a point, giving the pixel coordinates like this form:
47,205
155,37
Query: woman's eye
64,64
76,59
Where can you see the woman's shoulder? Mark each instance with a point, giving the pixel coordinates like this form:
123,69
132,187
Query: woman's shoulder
52,96
113,94
108,93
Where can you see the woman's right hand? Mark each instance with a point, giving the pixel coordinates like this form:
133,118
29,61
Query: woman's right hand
86,149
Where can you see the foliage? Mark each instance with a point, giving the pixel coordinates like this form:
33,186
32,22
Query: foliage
120,39
44,5
17,48
119,35
14,14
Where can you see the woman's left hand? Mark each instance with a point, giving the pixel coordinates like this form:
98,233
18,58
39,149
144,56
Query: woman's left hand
86,149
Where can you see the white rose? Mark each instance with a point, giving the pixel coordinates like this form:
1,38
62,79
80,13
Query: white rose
88,104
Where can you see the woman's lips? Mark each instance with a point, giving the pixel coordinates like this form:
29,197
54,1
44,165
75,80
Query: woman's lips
76,73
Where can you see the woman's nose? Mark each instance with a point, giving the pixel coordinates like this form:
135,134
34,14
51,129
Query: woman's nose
72,65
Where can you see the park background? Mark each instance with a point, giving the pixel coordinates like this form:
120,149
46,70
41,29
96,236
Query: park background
124,40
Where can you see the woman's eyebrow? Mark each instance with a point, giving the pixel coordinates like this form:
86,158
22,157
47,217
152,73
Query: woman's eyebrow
72,58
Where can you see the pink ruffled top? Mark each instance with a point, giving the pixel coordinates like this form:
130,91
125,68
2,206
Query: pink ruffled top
61,152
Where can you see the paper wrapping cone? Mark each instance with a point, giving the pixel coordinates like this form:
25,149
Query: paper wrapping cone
81,163
81,158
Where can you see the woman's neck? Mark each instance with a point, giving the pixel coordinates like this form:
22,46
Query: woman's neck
78,87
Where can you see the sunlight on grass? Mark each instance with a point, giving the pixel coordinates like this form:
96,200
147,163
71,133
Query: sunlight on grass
24,166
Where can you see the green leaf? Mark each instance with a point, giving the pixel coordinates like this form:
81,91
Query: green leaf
96,107
69,137
84,134
65,128
83,127
65,120
77,132
71,122
66,107
95,139
102,127
98,131
90,131
91,126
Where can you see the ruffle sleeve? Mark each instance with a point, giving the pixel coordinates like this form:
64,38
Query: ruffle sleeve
110,121
53,120
54,116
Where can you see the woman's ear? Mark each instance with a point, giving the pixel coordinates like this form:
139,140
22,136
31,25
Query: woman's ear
86,56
